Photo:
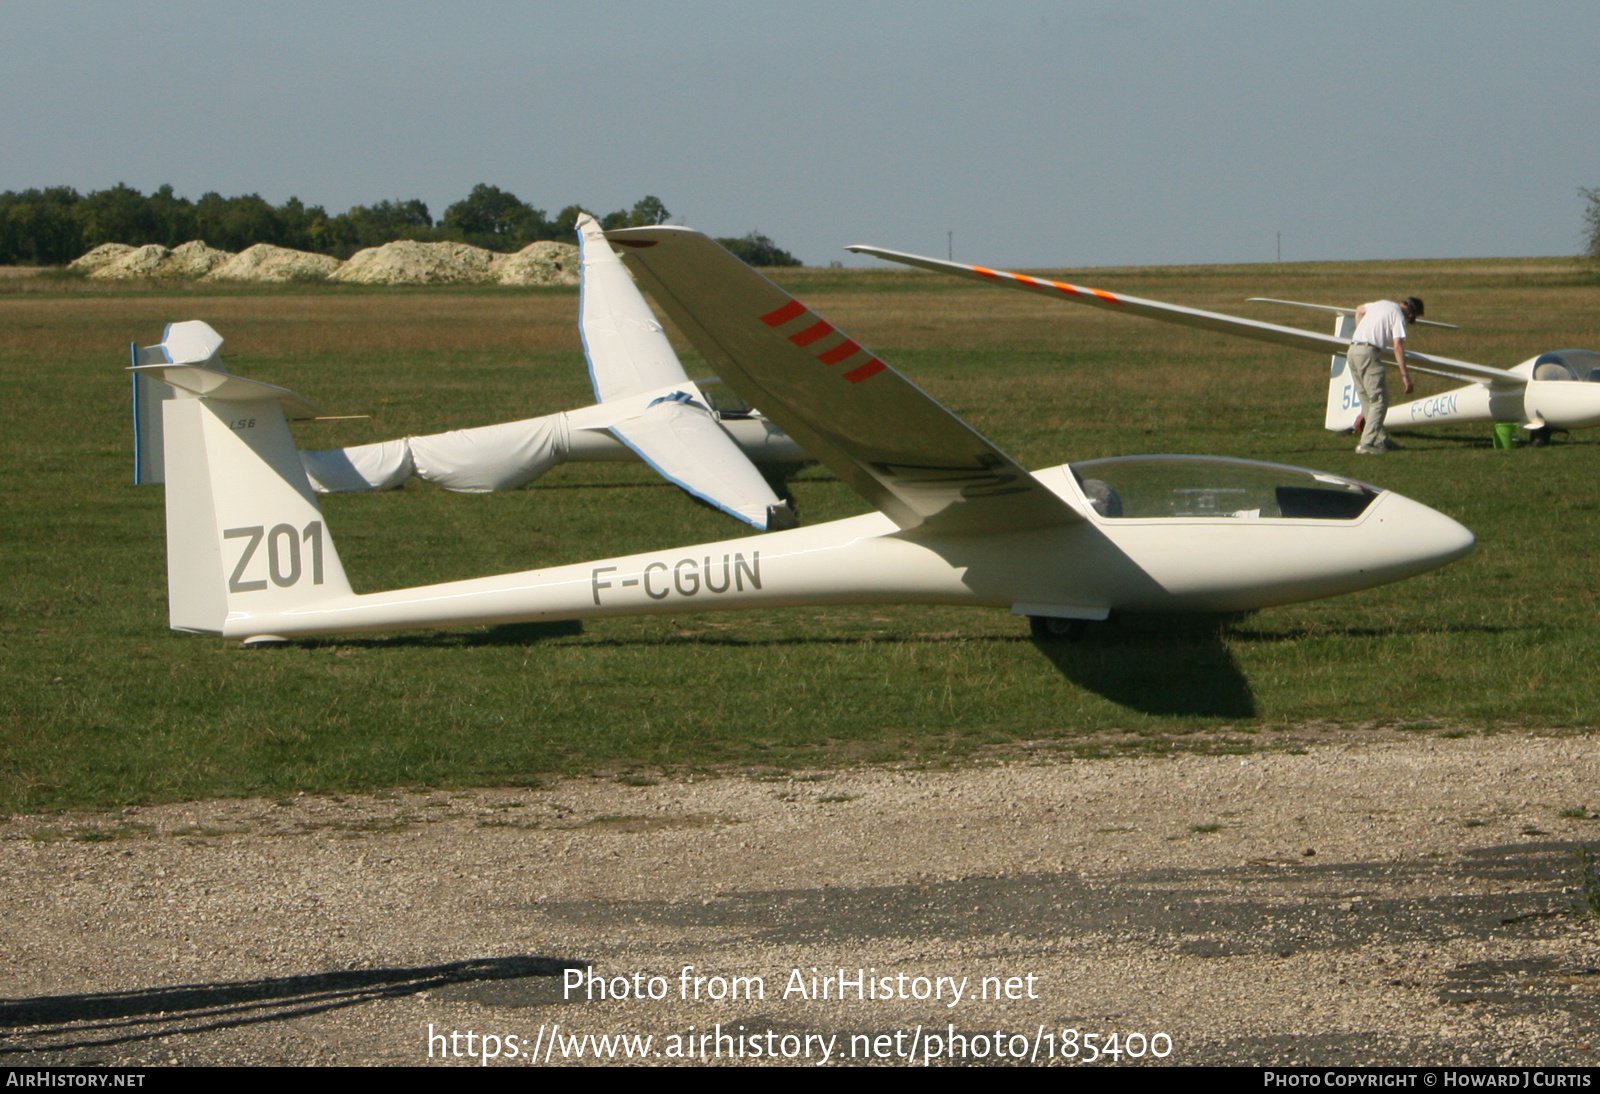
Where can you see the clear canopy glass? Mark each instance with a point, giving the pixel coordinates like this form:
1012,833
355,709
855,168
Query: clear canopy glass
1568,364
1129,487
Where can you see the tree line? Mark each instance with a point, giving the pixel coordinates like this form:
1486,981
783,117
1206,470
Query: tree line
56,224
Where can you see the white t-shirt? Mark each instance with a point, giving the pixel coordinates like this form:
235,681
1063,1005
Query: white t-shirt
1381,325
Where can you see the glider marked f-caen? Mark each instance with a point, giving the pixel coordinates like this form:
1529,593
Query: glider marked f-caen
1559,390
957,521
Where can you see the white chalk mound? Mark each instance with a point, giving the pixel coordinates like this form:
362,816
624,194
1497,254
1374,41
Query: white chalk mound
185,262
403,262
407,262
193,260
103,255
543,263
137,262
268,262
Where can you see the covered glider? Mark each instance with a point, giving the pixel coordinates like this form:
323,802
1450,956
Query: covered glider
646,408
1559,390
956,520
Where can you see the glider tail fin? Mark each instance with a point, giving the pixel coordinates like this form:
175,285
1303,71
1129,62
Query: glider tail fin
244,532
1344,403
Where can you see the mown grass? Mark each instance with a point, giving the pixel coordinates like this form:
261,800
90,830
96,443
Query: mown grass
100,704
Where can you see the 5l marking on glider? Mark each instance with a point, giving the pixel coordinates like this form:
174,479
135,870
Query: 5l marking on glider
1542,393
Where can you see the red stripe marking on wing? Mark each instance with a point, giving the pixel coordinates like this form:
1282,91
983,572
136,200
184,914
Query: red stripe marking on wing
843,351
1070,290
792,310
871,368
1025,279
1107,297
986,272
819,329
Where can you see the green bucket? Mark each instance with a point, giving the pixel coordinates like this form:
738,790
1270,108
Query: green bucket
1505,434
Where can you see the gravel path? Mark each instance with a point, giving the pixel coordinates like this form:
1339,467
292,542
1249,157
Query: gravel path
1406,902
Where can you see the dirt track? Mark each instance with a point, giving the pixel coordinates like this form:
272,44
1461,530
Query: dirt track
1432,924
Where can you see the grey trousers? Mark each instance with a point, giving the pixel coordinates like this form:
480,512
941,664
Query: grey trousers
1366,369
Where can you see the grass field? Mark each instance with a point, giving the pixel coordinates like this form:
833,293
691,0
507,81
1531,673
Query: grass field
101,705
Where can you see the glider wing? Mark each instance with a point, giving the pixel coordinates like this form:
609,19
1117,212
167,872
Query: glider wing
1194,317
909,456
628,352
679,436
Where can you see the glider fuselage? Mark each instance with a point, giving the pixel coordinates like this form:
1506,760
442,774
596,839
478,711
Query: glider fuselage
1218,562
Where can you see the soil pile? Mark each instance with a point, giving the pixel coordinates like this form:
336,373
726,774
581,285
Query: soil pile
407,262
403,262
267,262
103,255
543,263
185,263
193,260
138,262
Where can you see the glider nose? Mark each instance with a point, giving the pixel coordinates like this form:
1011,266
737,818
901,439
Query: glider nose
1419,538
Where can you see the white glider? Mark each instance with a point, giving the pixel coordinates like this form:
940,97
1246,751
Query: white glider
957,521
1559,390
646,408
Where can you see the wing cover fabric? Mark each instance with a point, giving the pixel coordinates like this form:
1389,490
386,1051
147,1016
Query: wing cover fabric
491,457
679,436
909,456
629,357
628,352
1193,317
382,466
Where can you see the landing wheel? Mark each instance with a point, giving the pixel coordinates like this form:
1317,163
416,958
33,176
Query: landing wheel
1049,628
1540,437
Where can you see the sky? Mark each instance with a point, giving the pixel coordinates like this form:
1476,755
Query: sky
1041,134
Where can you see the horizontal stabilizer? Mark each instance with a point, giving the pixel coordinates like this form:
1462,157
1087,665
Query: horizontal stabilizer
1193,317
211,384
918,463
1341,311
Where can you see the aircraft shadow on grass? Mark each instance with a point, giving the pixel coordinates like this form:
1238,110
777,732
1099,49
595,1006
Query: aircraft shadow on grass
1182,668
1173,666
57,1023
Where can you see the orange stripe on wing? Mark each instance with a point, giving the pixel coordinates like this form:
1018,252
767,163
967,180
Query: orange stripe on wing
843,351
1107,297
1070,290
792,310
816,331
870,369
986,272
1025,279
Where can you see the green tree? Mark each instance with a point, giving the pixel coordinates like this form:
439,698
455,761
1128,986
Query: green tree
565,226
374,225
118,215
173,217
648,211
40,227
495,217
236,223
758,250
